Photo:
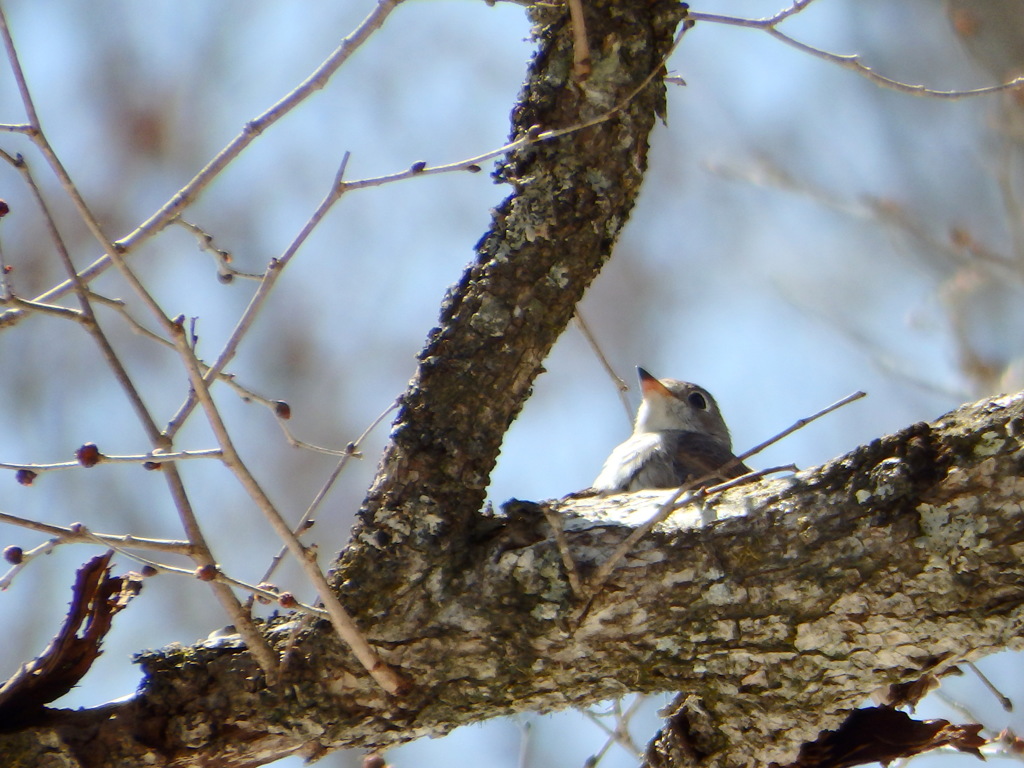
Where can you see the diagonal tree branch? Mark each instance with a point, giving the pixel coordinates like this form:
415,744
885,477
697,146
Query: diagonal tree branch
548,241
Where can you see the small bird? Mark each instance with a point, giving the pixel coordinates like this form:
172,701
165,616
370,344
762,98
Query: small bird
679,436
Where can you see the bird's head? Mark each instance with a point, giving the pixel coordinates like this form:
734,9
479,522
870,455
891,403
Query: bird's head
671,404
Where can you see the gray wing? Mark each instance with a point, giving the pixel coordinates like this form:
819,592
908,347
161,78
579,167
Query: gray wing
696,454
666,460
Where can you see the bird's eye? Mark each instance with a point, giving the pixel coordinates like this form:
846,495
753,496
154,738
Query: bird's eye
697,401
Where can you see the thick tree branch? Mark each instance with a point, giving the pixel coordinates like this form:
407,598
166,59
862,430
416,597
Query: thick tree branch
904,557
548,240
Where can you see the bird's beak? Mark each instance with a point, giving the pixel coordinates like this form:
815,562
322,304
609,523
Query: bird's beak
650,385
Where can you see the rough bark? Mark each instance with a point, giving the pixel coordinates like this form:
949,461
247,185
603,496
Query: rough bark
572,196
903,557
906,556
548,241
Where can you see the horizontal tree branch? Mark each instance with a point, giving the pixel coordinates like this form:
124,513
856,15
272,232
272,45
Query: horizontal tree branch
903,557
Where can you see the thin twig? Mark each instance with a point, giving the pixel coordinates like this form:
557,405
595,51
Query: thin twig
525,732
338,188
122,544
274,269
853,63
620,385
86,315
119,306
25,128
801,423
295,442
28,305
79,533
784,14
962,709
203,556
217,575
253,128
343,624
581,65
304,522
620,733
245,393
684,495
201,552
5,285
225,271
1004,701
27,557
473,163
847,61
155,457
749,478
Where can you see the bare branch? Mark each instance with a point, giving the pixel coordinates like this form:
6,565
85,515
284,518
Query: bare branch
268,281
79,533
23,558
346,628
352,449
225,272
184,197
621,387
619,734
1004,701
801,423
580,47
44,309
154,457
562,542
261,591
201,551
848,61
